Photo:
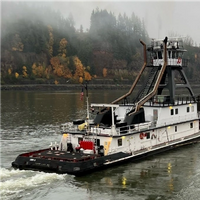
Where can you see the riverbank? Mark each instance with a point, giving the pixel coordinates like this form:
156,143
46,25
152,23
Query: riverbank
53,87
58,87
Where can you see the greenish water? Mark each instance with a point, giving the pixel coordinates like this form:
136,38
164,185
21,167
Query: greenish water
28,121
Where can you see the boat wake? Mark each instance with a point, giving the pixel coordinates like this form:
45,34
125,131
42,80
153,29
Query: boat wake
17,183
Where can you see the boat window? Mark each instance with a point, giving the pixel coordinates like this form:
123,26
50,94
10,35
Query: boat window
192,109
191,125
172,111
176,111
175,128
80,139
97,142
169,54
173,54
154,55
120,142
188,109
159,54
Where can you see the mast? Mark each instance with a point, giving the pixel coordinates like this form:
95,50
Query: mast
87,101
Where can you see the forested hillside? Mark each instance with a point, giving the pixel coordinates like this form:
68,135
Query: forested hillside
39,45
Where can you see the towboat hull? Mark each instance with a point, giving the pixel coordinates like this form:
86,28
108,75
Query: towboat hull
76,164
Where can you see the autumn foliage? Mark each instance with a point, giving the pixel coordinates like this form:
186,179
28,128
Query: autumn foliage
105,72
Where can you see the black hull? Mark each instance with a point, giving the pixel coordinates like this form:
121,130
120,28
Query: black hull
80,168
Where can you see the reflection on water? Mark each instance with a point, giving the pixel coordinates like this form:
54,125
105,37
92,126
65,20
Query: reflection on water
38,108
28,122
159,177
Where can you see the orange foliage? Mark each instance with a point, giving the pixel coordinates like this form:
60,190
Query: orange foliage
47,71
67,73
80,79
56,82
105,72
87,76
39,70
59,69
55,62
79,68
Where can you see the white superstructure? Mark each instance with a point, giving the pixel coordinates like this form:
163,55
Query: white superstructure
155,120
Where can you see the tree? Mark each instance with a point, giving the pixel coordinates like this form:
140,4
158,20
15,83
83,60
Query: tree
79,68
24,72
51,41
16,75
17,43
87,76
105,72
62,48
55,62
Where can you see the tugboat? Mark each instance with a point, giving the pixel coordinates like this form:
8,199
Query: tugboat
156,120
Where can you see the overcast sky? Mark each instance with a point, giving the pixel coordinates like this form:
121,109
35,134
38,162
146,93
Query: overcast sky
161,17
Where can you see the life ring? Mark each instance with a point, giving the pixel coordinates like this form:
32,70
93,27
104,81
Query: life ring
141,136
179,61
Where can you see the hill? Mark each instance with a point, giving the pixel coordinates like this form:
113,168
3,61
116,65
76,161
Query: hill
39,45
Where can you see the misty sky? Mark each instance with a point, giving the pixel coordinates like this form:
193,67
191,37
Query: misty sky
161,17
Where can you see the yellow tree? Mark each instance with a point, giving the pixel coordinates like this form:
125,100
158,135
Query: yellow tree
105,72
40,70
87,76
55,62
80,79
67,73
24,72
9,71
34,69
62,48
47,72
79,68
51,40
16,75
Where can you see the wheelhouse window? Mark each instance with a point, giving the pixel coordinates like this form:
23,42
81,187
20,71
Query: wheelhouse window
172,111
176,111
120,142
80,139
188,109
191,125
175,128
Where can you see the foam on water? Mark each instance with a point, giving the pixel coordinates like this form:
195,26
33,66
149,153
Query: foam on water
14,182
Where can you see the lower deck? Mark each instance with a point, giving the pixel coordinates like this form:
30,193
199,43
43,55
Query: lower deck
49,154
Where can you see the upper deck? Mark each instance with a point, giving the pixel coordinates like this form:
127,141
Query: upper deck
175,51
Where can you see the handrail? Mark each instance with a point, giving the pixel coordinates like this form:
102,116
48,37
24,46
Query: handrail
153,92
138,77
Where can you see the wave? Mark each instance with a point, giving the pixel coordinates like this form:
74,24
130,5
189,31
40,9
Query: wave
15,182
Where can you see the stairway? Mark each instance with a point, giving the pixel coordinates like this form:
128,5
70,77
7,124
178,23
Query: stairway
148,86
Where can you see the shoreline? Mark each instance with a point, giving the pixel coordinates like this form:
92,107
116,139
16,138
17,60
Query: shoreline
52,87
60,87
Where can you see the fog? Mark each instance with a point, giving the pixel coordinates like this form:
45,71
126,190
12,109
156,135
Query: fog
162,18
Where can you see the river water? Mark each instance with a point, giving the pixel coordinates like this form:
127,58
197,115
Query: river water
29,122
